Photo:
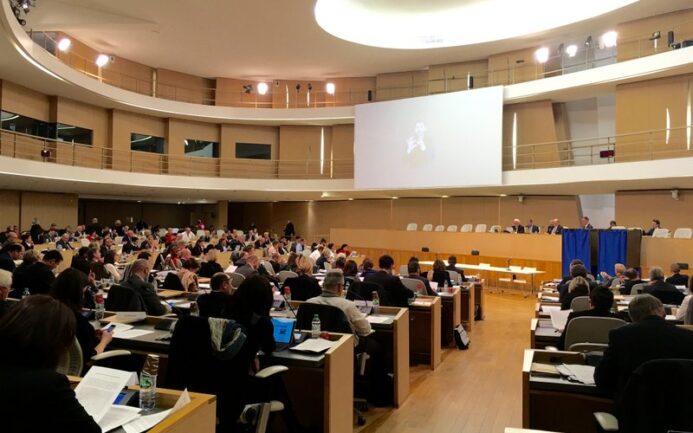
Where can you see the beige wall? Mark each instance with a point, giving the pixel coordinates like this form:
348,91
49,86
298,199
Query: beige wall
49,208
453,76
232,134
535,124
125,123
184,87
20,100
163,214
633,36
180,130
638,208
401,85
514,67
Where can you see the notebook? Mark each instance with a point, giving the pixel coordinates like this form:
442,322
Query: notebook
283,332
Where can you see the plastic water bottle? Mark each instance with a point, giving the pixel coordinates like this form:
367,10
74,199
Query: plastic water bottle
194,309
148,383
100,306
315,327
25,293
376,301
287,293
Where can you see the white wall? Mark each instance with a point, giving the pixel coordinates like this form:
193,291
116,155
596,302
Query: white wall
591,121
600,208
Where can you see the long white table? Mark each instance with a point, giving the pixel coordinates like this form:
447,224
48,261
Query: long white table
516,271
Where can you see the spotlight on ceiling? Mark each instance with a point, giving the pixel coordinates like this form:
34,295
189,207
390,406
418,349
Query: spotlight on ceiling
542,55
298,87
571,50
262,88
609,39
102,60
64,44
247,88
330,88
588,41
310,87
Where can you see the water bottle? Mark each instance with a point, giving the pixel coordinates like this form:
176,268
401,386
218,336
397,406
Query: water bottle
148,383
194,309
100,307
315,327
287,293
376,301
25,293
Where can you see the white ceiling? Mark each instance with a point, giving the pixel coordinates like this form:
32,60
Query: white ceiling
267,39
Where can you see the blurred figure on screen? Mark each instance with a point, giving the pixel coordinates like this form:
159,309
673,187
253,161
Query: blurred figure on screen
416,141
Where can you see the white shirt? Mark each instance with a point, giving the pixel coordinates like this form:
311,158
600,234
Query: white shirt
187,237
315,255
683,309
357,320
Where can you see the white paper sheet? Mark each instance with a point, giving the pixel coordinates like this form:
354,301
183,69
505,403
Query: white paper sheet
379,319
230,269
581,373
119,327
133,333
145,422
434,285
314,345
97,391
118,415
559,318
548,308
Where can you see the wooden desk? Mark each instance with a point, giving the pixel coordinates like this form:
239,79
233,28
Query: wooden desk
394,339
424,331
542,334
450,315
556,404
200,415
467,307
480,299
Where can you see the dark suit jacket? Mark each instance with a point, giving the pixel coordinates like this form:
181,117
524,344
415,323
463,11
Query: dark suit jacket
665,292
458,270
678,280
628,286
4,307
397,294
40,277
6,262
588,313
519,229
25,390
214,304
569,296
153,306
80,264
208,269
532,229
634,344
303,287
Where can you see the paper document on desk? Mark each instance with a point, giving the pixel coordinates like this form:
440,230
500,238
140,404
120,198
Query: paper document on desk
578,372
313,345
549,298
127,317
434,285
146,422
379,319
119,327
133,333
559,318
97,391
118,415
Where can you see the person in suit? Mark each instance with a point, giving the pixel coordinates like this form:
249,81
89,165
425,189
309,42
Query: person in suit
64,242
210,266
656,224
40,275
649,337
69,288
9,254
452,266
34,336
685,312
397,294
5,287
615,281
577,287
250,266
676,278
216,303
414,270
630,278
585,223
187,275
305,286
555,227
138,281
289,230
665,292
531,227
601,301
577,269
439,274
517,227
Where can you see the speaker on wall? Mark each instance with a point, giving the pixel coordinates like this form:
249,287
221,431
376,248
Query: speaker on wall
670,38
370,95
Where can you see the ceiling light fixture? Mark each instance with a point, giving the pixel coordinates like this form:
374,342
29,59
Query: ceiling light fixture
609,39
262,88
64,44
542,55
330,88
102,60
571,50
387,24
395,198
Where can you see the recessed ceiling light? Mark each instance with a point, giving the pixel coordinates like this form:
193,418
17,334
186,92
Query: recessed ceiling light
571,50
262,88
542,55
408,25
64,44
102,60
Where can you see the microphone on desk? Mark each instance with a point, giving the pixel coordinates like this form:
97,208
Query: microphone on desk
288,304
509,260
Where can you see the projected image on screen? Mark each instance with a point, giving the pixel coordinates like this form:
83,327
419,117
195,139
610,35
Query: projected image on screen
445,140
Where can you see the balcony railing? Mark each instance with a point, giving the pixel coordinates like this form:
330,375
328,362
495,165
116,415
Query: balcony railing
22,146
558,63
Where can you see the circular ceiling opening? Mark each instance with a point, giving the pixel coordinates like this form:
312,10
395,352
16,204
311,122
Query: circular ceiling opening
412,24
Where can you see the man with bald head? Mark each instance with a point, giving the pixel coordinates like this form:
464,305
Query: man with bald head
555,227
517,227
5,287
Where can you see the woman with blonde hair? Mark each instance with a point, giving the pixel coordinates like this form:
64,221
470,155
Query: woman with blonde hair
577,287
305,286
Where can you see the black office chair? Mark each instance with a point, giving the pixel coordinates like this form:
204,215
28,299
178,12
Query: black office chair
302,289
122,298
650,403
362,290
193,364
172,282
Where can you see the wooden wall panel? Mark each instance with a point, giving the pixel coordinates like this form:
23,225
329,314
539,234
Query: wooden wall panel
49,208
633,36
181,130
638,208
351,91
125,123
232,134
10,208
20,100
230,92
299,150
514,67
535,124
184,87
75,113
453,76
399,85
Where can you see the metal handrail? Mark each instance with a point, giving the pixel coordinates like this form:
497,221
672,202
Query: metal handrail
320,98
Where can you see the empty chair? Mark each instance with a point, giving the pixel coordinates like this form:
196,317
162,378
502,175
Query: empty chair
200,233
683,233
268,267
439,228
118,240
660,233
466,228
480,228
495,229
328,266
455,277
428,227
637,289
590,330
581,303
415,285
452,228
412,227
283,275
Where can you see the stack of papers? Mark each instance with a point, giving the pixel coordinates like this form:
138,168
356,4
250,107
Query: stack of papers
578,373
379,319
126,331
314,345
559,318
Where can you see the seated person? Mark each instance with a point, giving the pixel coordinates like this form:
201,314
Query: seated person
648,337
69,288
676,277
516,227
138,280
34,336
439,274
665,292
64,242
601,301
452,262
5,287
630,278
210,266
80,261
250,266
332,290
617,280
576,270
187,275
9,254
324,258
685,312
198,249
367,267
656,224
217,302
21,273
109,260
396,295
414,270
577,287
305,286
276,262
317,252
40,275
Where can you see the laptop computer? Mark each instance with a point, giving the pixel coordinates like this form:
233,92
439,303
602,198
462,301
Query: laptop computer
283,332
